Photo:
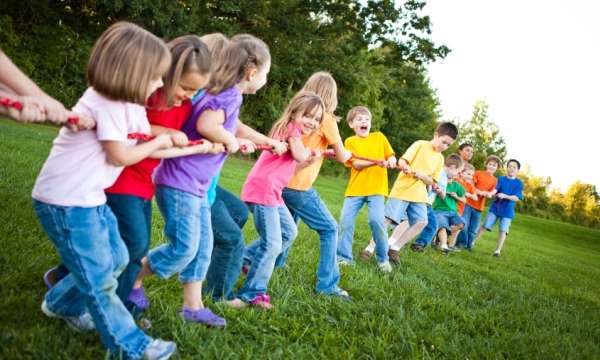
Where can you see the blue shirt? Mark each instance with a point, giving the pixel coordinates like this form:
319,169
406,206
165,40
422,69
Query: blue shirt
211,193
442,183
503,207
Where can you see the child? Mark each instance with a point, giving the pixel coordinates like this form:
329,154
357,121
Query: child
429,232
125,67
422,165
465,151
445,209
508,191
130,197
466,180
262,192
368,184
182,183
485,183
304,201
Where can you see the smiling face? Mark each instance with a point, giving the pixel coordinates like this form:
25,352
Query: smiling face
361,124
452,171
188,86
491,167
466,153
309,121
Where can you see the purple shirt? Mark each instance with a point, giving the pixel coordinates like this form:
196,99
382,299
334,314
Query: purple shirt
194,173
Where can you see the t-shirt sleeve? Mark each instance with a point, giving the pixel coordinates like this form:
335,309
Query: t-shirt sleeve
111,124
499,184
293,131
387,147
349,145
330,130
412,152
460,190
437,172
520,190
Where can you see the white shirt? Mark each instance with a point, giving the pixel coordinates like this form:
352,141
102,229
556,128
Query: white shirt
76,171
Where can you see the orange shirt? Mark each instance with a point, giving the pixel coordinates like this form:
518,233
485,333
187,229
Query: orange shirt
328,134
484,182
470,188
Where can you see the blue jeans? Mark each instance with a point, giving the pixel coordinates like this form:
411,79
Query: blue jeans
352,205
277,231
472,218
430,230
188,228
228,216
308,206
89,245
134,216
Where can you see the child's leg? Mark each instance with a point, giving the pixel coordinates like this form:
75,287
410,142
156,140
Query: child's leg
394,240
488,223
443,238
454,231
94,253
268,226
289,229
376,205
350,209
428,232
463,236
473,228
228,216
503,230
417,216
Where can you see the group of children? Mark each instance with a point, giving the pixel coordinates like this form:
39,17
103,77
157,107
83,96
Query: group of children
93,194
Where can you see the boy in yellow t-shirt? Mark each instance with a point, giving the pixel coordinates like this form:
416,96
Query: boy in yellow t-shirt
368,185
421,166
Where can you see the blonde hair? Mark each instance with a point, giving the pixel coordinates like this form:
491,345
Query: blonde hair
216,43
493,158
358,110
304,102
124,60
323,84
244,53
467,166
189,54
453,160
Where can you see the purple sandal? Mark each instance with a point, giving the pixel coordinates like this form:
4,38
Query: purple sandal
203,316
139,299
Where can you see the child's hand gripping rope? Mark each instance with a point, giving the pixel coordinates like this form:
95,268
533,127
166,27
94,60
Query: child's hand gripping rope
215,149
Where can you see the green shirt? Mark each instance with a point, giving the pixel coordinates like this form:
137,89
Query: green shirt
449,203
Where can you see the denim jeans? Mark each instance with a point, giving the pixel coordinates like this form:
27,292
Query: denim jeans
352,205
134,216
188,228
228,216
472,218
308,206
89,245
430,230
277,230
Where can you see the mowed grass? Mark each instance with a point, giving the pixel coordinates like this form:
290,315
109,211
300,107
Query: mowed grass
540,300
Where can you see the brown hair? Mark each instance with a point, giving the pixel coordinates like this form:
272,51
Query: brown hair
188,54
324,85
304,102
216,43
358,110
453,160
244,52
124,60
447,129
493,158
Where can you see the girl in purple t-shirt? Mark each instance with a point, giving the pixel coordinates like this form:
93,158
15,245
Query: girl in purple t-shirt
262,191
182,183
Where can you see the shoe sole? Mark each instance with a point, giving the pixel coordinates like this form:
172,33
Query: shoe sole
49,313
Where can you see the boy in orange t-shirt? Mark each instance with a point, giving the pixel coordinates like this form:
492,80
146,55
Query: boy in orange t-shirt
485,186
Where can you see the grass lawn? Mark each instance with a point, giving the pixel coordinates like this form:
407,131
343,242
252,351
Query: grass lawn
540,300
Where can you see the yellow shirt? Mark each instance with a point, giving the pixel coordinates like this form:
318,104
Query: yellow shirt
328,134
372,180
422,158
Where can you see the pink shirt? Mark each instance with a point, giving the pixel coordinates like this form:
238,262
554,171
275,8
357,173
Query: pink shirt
76,171
270,174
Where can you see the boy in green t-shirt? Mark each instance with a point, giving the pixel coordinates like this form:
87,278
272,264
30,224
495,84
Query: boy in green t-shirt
445,209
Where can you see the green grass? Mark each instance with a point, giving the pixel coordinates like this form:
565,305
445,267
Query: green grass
540,300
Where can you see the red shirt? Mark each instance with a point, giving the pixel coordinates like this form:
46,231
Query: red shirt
137,179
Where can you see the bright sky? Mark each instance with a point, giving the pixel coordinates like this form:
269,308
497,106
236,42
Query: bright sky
537,65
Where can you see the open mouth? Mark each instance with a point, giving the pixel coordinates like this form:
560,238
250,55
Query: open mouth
364,128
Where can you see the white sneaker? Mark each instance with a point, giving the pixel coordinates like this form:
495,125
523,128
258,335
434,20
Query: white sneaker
345,263
159,350
83,322
386,267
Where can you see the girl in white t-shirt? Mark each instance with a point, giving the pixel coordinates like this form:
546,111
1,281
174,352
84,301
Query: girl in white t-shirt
125,67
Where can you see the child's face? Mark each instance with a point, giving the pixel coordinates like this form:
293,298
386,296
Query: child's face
512,169
309,122
491,167
467,174
257,79
466,153
442,143
361,124
452,171
188,86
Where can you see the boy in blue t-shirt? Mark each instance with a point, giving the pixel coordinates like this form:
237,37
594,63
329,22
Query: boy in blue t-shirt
508,191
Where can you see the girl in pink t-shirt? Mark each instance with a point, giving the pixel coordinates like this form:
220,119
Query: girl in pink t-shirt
262,191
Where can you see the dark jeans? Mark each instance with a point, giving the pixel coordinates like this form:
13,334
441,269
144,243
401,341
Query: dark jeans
430,230
229,215
134,218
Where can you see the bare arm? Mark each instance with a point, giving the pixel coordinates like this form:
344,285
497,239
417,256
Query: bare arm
210,125
362,164
205,147
299,152
118,154
341,154
246,132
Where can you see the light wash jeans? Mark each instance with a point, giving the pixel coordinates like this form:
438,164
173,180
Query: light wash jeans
89,245
308,206
472,218
277,230
430,230
188,228
352,205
